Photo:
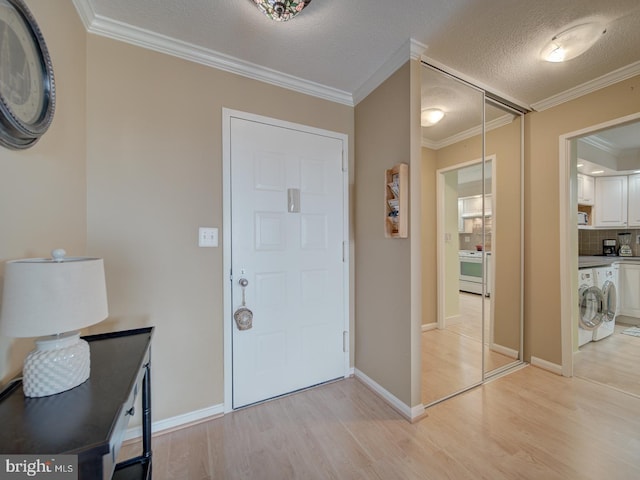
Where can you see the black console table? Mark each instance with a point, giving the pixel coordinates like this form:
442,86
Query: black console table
91,419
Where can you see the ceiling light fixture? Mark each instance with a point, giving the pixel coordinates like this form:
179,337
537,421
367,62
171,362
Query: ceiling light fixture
597,172
431,116
572,42
281,11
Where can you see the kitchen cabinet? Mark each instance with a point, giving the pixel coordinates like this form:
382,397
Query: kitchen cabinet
586,189
611,201
634,201
472,206
629,288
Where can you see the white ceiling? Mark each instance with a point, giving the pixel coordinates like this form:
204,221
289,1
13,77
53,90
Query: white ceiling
336,47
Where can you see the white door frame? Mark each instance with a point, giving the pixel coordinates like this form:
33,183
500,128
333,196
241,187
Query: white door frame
440,241
227,114
568,235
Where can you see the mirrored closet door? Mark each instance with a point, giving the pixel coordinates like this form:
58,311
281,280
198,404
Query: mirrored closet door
474,151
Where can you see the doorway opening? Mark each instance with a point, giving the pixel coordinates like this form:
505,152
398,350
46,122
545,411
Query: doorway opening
570,246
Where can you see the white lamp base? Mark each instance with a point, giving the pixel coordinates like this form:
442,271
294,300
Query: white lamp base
59,363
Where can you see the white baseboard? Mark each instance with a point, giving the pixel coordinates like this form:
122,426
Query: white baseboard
410,413
429,326
545,365
178,421
509,352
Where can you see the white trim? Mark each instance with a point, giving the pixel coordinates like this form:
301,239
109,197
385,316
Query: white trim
410,50
506,351
471,132
398,405
178,421
548,366
602,144
429,326
568,254
227,114
610,78
106,27
85,12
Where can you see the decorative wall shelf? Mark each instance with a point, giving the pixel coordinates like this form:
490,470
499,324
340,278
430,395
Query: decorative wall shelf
396,201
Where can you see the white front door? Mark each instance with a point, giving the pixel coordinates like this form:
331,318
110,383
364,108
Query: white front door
287,234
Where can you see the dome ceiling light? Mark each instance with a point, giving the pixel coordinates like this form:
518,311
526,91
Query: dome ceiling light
281,11
572,42
431,116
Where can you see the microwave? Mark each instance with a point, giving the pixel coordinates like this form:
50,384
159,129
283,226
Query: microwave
583,218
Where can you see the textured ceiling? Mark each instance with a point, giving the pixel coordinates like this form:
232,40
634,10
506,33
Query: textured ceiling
341,44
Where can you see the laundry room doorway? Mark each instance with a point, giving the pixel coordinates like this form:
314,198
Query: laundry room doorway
602,354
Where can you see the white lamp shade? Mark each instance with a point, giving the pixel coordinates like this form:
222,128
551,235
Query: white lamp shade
48,297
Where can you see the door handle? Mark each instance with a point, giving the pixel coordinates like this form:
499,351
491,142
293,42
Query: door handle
243,316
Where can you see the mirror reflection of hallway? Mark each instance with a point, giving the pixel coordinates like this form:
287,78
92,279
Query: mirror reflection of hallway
473,164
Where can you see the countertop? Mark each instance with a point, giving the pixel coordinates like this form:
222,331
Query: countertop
591,261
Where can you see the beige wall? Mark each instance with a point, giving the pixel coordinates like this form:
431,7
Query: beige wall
429,253
450,283
42,189
154,176
542,230
130,173
382,267
130,169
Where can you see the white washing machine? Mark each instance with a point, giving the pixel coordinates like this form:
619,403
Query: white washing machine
607,280
590,303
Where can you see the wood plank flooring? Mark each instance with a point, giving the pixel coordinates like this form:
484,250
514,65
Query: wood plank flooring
452,357
612,361
530,424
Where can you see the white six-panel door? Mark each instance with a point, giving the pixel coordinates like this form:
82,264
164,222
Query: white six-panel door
287,233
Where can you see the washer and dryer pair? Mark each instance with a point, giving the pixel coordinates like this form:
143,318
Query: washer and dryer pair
598,303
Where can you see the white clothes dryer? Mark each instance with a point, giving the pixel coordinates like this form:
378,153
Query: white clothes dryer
590,303
607,280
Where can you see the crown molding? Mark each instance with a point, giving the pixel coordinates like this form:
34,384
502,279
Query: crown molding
588,87
472,132
601,144
410,50
103,26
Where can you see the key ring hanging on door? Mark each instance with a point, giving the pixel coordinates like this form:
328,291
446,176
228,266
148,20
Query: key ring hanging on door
243,316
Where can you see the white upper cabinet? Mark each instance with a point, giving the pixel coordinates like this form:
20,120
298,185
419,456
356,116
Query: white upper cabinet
472,206
634,200
586,189
611,202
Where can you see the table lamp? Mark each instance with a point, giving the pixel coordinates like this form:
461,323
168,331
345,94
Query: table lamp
53,298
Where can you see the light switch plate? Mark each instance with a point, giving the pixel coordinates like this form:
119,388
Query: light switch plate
207,237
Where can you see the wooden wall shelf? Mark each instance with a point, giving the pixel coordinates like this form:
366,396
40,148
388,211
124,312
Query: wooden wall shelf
396,201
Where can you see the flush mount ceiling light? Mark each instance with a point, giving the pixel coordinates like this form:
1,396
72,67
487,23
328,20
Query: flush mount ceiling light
572,42
431,116
281,11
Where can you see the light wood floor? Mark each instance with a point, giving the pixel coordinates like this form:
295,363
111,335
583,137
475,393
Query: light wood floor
530,424
613,361
452,357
